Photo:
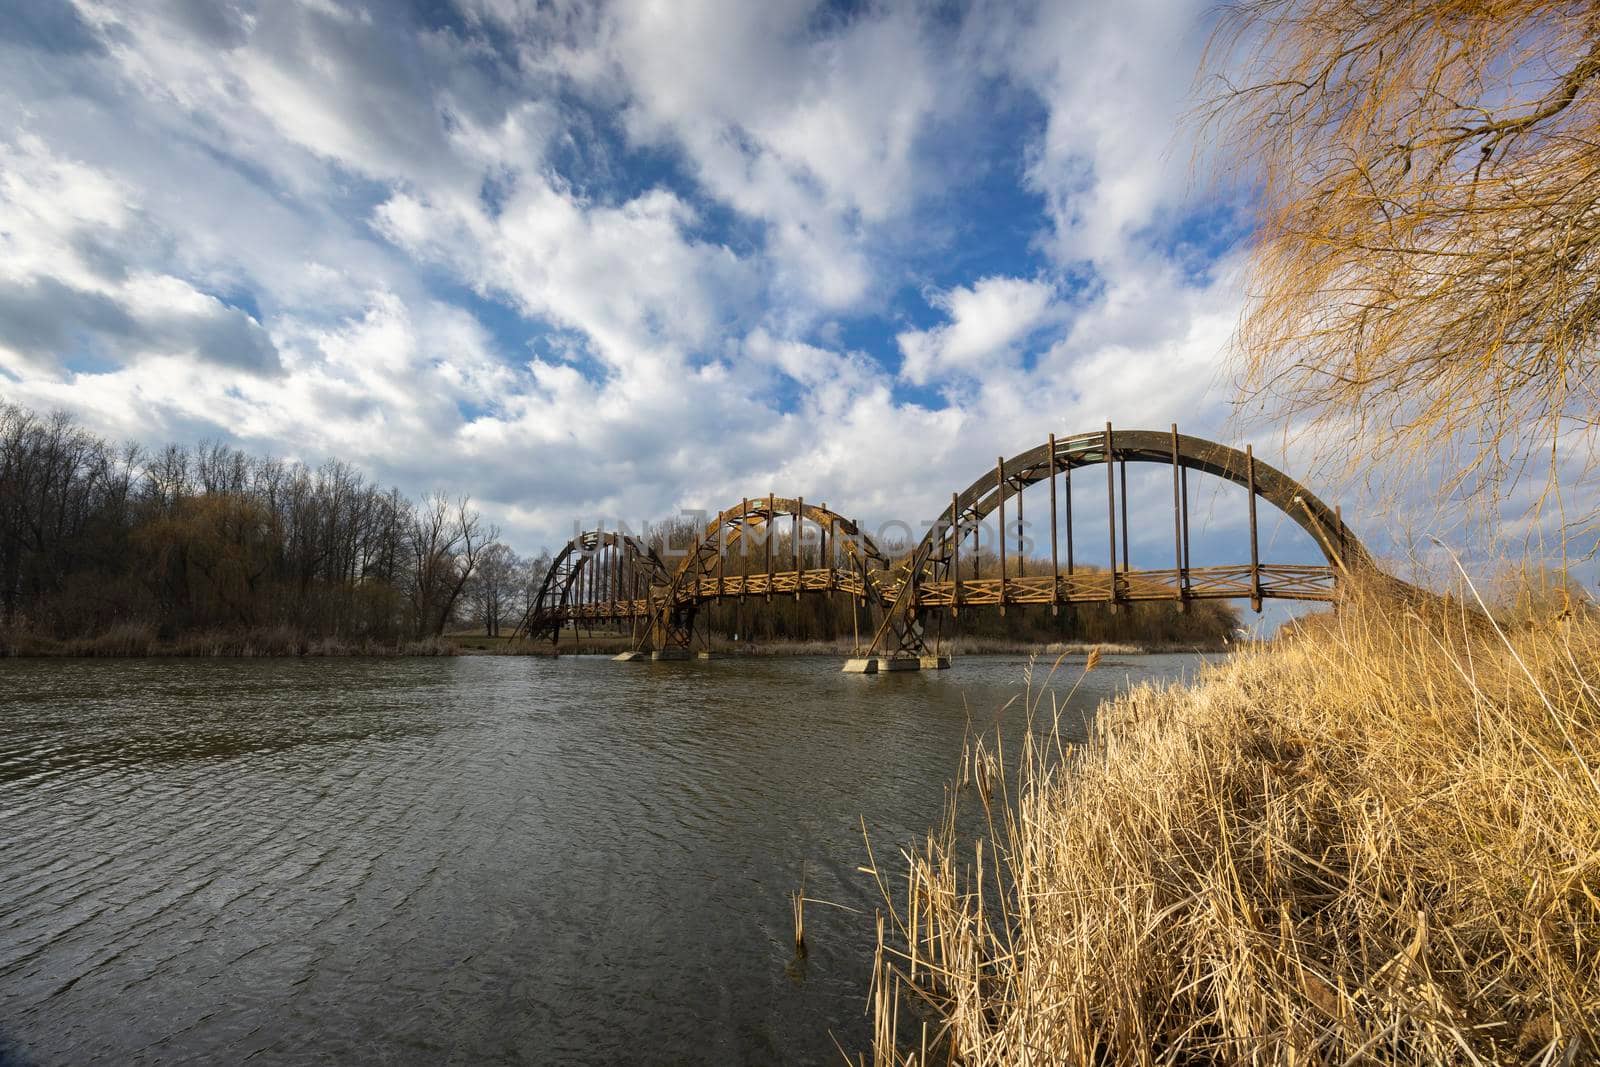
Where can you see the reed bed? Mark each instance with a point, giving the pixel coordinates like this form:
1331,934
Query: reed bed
1376,841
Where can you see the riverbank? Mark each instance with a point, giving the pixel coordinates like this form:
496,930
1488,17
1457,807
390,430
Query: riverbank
1377,840
273,642
142,641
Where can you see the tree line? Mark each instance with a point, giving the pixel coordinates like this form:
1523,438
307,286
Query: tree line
95,535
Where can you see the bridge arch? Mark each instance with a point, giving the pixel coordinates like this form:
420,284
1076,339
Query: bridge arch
847,561
930,575
598,575
602,576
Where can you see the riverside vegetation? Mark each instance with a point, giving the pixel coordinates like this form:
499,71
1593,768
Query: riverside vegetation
1376,840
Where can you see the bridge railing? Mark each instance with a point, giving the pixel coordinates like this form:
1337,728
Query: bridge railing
810,580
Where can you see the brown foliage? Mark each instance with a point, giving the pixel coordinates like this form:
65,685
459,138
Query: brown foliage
1427,270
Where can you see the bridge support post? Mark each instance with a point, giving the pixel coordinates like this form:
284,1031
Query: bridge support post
1055,564
1255,549
955,556
1111,517
1000,495
1178,570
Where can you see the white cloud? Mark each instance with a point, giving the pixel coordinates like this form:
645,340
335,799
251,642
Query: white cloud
66,291
584,260
812,129
988,322
1116,150
625,276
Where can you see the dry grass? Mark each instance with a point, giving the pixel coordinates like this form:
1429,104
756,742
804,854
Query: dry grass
1378,842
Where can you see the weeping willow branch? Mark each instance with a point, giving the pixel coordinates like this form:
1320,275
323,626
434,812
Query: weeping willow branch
1427,270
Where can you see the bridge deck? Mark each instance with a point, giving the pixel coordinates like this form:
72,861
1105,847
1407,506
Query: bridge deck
1279,581
1230,582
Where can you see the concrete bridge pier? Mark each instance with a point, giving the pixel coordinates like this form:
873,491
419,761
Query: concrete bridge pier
903,662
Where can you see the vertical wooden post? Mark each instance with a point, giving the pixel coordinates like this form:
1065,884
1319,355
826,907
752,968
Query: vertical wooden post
1111,510
1123,468
722,557
822,550
855,609
1055,564
1022,555
821,544
1188,560
795,528
744,547
861,565
1067,478
1000,493
955,558
977,546
1177,525
615,576
772,503
1255,552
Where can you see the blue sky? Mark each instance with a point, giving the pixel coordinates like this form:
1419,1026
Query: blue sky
610,260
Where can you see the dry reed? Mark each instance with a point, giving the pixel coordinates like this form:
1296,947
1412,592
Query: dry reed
1377,841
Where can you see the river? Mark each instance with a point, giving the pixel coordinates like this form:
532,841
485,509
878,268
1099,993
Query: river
469,860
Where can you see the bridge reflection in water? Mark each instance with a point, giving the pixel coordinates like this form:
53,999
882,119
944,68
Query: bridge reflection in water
603,577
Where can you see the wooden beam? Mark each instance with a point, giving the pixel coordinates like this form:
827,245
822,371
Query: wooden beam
1055,564
1000,492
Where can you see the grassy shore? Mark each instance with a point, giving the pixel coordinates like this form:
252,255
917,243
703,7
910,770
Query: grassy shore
1377,841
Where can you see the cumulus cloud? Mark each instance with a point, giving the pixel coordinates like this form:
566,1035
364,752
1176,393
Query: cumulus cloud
1116,150
43,319
627,276
72,285
988,321
607,260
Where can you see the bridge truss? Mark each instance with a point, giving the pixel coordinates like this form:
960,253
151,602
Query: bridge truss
602,577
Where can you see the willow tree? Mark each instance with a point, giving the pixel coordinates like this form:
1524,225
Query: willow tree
1427,268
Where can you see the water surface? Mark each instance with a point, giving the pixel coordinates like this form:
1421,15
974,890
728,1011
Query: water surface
473,860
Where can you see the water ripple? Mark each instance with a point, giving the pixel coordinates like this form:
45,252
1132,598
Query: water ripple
479,860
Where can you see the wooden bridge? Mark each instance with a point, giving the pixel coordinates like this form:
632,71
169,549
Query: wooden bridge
603,577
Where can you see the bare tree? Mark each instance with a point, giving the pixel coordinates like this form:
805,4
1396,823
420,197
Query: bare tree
1427,265
447,543
492,592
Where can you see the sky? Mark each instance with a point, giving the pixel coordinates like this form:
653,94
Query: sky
609,261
